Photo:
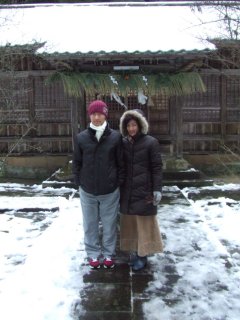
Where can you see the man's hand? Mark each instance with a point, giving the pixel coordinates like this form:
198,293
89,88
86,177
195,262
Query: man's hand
157,196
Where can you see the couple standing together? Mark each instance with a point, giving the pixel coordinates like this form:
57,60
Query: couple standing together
113,168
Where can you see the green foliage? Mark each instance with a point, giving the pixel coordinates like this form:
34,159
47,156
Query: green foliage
177,84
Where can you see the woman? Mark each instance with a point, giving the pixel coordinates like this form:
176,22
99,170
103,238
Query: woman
141,191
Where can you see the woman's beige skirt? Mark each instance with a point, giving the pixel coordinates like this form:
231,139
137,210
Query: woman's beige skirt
140,234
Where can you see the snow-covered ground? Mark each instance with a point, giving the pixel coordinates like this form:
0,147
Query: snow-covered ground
40,276
202,249
41,251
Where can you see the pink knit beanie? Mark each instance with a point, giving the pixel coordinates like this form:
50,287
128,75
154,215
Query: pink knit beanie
98,106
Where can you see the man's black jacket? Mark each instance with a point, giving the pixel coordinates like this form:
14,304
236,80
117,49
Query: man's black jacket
98,165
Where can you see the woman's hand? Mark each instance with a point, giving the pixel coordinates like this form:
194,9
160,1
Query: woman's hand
157,196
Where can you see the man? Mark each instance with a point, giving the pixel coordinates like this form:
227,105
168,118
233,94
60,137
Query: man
98,170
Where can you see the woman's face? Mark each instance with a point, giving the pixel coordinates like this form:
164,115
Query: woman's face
132,128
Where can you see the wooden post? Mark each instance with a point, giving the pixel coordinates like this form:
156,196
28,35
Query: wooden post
78,116
82,112
172,123
74,119
179,127
223,105
31,105
126,100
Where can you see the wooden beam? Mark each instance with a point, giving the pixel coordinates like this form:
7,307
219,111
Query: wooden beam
35,139
227,72
25,74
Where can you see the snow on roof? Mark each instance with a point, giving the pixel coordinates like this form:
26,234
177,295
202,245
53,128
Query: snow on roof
79,28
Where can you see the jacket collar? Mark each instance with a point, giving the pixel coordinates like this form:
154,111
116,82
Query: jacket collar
106,132
136,137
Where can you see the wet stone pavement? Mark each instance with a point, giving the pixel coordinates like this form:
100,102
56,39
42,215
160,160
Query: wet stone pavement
119,293
114,294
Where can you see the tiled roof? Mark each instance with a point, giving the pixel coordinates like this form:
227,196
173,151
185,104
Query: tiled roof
125,53
32,48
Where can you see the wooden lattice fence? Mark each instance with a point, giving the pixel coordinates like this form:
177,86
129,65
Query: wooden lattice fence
38,118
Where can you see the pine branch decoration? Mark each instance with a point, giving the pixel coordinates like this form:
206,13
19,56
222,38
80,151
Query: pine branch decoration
179,84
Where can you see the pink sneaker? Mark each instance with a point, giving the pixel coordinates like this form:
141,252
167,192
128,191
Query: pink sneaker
108,263
94,263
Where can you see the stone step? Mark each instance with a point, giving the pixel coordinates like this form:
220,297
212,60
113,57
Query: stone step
181,175
188,183
175,172
181,183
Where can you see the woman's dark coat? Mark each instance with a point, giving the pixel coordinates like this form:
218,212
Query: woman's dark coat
143,165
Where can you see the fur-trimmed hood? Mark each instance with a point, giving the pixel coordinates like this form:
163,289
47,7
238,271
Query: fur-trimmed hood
136,115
